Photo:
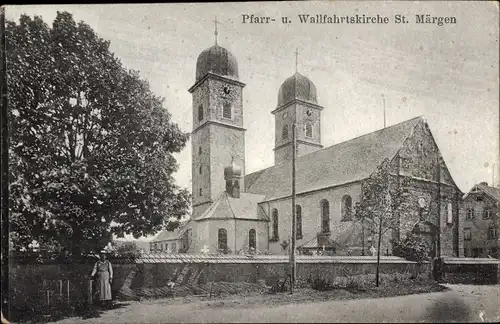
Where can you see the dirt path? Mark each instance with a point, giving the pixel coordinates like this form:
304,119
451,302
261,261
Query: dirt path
463,303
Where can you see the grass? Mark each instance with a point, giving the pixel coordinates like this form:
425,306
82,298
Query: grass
344,288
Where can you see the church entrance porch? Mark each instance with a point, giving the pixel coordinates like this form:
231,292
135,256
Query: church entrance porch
429,233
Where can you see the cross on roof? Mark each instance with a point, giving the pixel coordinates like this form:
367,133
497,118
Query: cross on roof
216,33
205,249
296,59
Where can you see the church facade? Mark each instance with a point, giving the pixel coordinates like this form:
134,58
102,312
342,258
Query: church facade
233,211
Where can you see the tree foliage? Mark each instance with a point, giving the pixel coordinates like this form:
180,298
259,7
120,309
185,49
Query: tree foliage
384,197
127,247
91,146
412,247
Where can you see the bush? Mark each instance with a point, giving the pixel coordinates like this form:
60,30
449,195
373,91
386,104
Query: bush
322,284
412,248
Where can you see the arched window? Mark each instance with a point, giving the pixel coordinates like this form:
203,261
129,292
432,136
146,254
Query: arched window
298,224
450,213
199,150
200,169
285,132
252,239
309,130
222,235
346,208
275,224
201,191
226,110
325,216
200,112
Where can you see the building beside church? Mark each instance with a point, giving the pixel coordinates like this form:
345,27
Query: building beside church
480,216
233,211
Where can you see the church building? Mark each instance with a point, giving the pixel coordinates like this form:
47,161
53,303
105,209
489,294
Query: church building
233,211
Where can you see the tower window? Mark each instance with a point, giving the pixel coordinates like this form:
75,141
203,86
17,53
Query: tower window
200,169
309,130
226,110
285,132
200,112
201,192
199,150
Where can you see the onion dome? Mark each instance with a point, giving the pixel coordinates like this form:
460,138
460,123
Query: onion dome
217,60
297,87
232,171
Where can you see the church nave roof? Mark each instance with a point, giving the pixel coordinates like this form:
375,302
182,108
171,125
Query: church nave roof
345,162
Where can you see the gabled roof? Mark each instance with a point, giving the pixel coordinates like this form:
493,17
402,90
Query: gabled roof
342,163
493,192
227,207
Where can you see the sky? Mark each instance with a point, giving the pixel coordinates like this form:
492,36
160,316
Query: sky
448,74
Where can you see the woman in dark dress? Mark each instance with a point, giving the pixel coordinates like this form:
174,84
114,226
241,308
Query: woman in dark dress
104,276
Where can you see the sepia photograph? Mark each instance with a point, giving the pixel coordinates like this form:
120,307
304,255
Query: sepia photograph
263,162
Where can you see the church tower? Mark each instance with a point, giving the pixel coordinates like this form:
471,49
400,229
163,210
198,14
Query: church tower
218,135
297,102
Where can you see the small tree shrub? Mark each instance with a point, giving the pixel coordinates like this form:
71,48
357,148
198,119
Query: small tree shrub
412,248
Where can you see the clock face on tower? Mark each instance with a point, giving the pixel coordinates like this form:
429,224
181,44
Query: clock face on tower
226,90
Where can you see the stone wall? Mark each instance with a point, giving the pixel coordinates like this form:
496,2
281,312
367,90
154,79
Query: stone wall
467,270
30,283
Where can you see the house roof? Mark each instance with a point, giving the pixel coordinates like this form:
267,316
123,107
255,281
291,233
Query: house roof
167,235
227,207
342,163
493,192
172,235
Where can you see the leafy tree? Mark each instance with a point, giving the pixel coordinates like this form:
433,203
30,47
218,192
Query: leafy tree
384,198
91,146
412,247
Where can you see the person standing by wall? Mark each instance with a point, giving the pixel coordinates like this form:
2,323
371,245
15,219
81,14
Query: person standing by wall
103,270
